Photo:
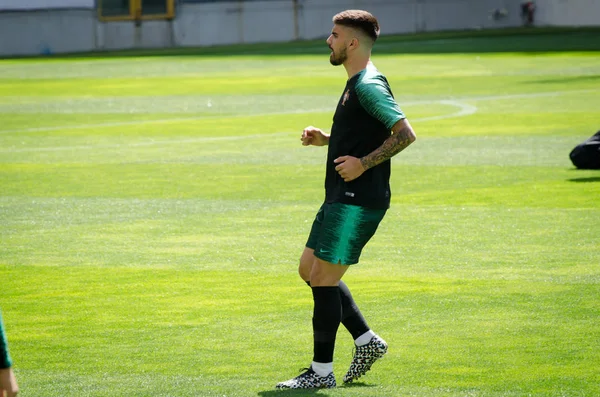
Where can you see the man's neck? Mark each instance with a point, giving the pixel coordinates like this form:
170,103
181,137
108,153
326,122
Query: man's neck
355,66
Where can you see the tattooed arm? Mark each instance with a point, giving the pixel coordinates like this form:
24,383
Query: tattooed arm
351,168
403,135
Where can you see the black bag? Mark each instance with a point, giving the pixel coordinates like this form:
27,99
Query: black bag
586,155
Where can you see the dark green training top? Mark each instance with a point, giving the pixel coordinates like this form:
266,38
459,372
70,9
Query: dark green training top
5,361
362,121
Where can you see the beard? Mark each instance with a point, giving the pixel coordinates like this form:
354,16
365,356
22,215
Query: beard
340,58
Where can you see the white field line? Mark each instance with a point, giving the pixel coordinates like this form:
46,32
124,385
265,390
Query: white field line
194,118
158,121
151,142
531,95
464,110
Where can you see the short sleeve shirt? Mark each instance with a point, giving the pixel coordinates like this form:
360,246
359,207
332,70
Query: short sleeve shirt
364,117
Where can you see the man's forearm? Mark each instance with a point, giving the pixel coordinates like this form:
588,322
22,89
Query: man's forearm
396,143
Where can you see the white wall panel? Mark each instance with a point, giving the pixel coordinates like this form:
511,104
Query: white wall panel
47,32
568,12
266,21
208,24
44,4
126,35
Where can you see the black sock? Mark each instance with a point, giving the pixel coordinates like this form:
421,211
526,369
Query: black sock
326,321
352,318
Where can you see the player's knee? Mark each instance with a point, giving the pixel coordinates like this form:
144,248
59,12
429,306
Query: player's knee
303,274
325,274
306,263
320,278
304,271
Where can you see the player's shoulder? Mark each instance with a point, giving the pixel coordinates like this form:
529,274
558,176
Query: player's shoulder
370,77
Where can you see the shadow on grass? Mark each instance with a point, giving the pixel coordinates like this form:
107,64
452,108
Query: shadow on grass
357,385
570,79
290,392
585,180
309,392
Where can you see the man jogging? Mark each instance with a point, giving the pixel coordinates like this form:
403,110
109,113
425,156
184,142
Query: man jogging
368,130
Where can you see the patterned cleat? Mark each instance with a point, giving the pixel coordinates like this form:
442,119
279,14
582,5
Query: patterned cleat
308,380
364,357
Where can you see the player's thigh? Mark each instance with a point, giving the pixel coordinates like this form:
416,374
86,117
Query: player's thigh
307,259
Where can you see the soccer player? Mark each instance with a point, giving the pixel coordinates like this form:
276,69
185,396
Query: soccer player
368,129
8,382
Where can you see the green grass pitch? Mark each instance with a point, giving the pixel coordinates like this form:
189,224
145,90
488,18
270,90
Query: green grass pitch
153,207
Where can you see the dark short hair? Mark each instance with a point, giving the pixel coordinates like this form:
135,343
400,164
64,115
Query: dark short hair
359,19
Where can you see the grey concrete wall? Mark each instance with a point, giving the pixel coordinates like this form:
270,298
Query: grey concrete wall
234,22
126,35
45,32
22,5
568,12
275,21
203,24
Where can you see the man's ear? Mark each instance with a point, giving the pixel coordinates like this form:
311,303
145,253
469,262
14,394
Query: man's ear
354,43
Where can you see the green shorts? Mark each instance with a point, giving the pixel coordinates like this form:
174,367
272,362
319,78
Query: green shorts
340,231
